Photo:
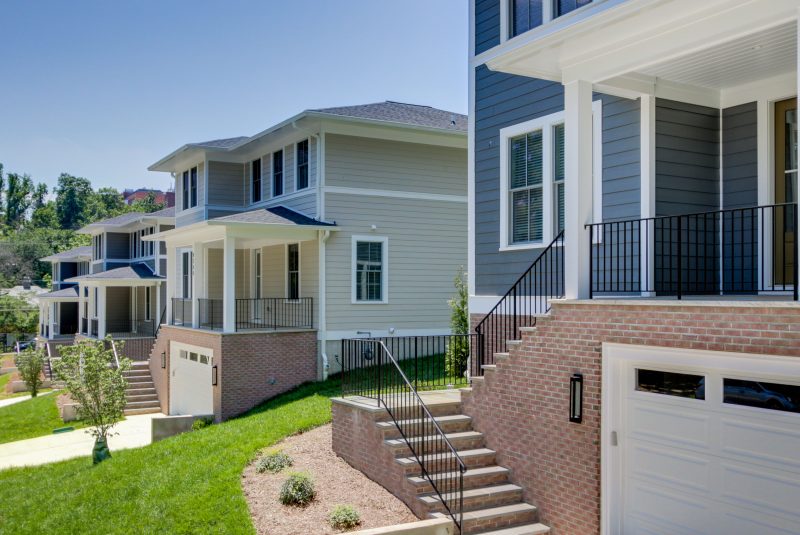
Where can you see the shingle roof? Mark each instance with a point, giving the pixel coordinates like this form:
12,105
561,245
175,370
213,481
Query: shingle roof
136,271
276,215
133,217
60,294
166,212
400,112
225,143
84,250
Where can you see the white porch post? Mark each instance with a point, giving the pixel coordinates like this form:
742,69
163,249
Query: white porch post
229,285
157,314
170,274
647,201
101,312
578,187
198,283
797,183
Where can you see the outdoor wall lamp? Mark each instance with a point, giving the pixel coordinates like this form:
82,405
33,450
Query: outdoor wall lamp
214,375
576,398
163,359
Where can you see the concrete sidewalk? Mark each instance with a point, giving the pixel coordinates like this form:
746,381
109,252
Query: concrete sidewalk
133,432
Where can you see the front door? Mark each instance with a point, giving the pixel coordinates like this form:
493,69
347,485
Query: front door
785,190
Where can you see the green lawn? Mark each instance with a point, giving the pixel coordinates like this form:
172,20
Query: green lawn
30,418
185,484
4,379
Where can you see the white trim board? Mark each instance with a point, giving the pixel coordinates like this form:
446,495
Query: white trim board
384,240
395,193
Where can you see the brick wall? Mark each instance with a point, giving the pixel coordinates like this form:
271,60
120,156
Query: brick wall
522,406
251,367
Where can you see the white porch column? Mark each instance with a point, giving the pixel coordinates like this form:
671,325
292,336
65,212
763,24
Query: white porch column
229,285
171,275
198,281
578,187
101,312
647,201
157,290
797,183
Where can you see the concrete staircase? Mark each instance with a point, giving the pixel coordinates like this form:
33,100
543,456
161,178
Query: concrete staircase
492,504
141,392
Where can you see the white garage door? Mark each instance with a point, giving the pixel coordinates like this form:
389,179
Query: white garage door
706,443
191,391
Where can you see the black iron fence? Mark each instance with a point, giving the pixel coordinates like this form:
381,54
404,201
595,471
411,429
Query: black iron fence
725,252
181,311
528,298
132,327
274,313
137,349
371,371
209,314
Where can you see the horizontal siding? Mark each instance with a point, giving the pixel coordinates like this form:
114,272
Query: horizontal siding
487,24
226,184
740,156
359,162
427,244
621,158
273,273
687,158
183,219
305,204
118,245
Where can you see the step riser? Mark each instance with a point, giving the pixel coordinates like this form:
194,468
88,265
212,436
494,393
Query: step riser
482,502
408,413
469,482
133,412
435,446
500,522
477,461
138,399
138,380
412,431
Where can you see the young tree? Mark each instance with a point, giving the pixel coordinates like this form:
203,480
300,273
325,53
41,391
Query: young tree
458,347
95,382
18,199
30,364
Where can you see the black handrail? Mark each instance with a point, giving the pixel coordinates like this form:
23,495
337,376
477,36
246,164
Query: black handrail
723,252
369,364
527,298
274,313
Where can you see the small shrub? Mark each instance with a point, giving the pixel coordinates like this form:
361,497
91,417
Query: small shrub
298,489
344,517
30,364
273,462
200,423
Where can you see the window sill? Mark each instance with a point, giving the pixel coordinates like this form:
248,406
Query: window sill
354,302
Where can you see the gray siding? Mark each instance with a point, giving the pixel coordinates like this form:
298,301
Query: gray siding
687,158
118,245
183,219
621,158
226,184
305,204
358,162
739,156
487,24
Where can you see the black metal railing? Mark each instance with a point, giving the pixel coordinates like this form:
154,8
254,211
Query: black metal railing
131,327
374,373
181,311
135,348
528,298
725,252
274,313
94,327
209,313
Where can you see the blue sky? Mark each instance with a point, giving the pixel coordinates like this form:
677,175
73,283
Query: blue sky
103,89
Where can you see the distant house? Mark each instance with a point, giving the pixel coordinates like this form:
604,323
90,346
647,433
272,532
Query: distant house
167,198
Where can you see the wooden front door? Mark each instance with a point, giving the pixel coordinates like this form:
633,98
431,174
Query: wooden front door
785,190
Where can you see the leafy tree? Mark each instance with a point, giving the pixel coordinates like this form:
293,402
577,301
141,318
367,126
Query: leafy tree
30,364
20,253
17,315
73,195
45,216
107,202
18,199
97,385
457,352
148,204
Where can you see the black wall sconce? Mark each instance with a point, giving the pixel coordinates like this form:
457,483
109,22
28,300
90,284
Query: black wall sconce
214,375
163,359
576,398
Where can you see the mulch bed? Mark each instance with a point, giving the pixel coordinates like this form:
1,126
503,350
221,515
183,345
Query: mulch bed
335,482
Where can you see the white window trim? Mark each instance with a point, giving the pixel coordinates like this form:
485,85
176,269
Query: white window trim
299,270
297,165
543,123
384,240
256,256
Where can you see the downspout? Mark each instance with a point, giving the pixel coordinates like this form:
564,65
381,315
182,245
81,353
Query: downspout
322,331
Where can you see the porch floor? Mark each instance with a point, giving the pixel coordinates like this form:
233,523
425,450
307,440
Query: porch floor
431,398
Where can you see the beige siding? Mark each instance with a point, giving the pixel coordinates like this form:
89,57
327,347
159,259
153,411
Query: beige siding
427,242
226,185
309,273
357,162
242,273
273,271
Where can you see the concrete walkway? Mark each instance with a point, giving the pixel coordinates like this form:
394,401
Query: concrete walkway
12,401
133,432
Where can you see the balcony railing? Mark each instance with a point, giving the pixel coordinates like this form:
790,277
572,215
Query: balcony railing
210,313
275,313
181,311
128,328
744,251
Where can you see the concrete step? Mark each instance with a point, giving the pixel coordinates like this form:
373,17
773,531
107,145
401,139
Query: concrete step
141,397
438,408
495,518
466,440
136,373
144,410
527,529
473,478
478,498
449,424
474,458
139,388
141,404
137,380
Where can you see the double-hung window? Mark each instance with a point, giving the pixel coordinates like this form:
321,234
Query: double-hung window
302,164
185,190
194,187
526,186
277,173
369,270
255,178
293,271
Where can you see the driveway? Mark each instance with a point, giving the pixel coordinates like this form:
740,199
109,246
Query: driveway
133,432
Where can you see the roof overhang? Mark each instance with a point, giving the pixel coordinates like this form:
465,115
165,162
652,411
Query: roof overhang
616,39
210,231
127,226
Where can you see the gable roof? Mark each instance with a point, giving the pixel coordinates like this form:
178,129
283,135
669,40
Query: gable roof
138,271
75,252
403,113
64,293
276,215
224,143
129,218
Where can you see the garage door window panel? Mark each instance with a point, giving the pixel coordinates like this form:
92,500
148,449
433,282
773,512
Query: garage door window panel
684,385
772,396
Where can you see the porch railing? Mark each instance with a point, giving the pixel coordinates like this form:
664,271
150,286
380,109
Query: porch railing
134,327
725,252
528,298
181,311
209,313
274,313
373,372
94,327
